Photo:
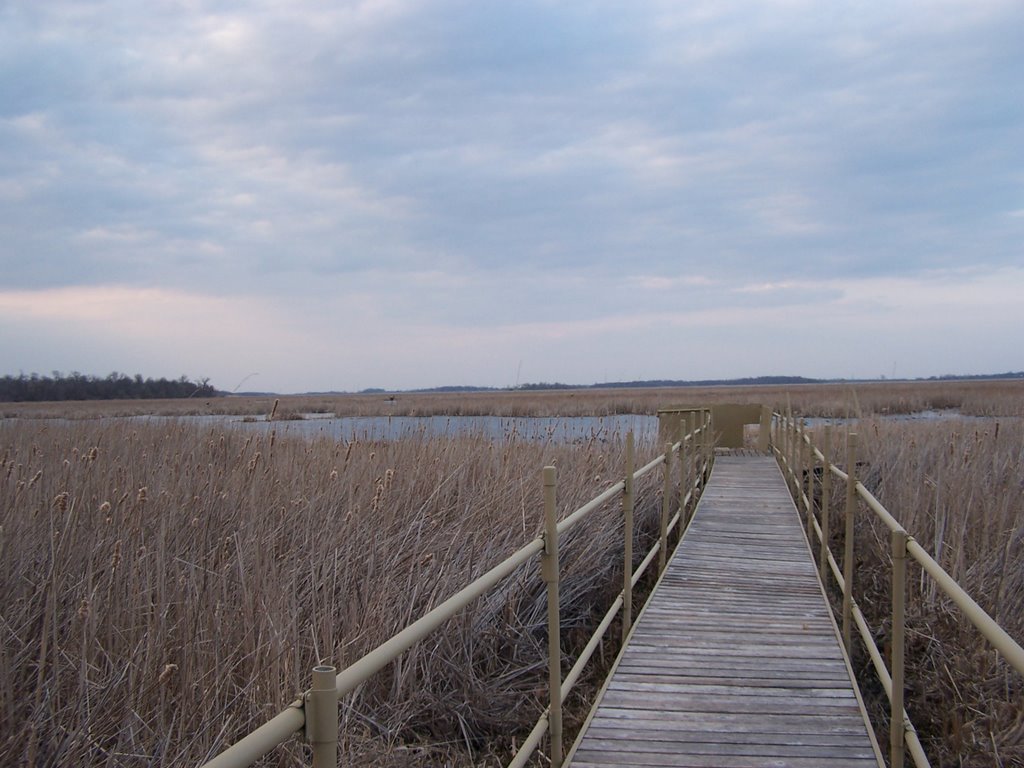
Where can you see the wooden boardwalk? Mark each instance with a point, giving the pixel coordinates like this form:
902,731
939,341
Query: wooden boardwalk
735,661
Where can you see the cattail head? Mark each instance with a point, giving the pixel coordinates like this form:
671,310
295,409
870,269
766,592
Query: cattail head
167,674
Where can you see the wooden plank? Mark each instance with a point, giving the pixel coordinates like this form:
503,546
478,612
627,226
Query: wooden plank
735,660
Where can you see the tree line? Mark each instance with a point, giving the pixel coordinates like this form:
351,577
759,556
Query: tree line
116,386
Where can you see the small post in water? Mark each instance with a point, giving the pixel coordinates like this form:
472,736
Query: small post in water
321,705
549,570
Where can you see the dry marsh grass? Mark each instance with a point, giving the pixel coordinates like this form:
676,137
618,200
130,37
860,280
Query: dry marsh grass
166,589
974,398
957,488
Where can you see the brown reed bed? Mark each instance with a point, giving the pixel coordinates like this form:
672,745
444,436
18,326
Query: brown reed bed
957,487
974,398
167,588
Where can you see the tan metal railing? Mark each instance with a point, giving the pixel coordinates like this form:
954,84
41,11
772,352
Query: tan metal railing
800,459
315,714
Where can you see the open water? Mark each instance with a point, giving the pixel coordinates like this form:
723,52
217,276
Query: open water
560,429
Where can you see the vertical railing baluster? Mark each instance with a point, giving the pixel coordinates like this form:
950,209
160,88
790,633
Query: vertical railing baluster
777,436
321,706
549,571
764,430
694,470
786,442
798,458
712,436
811,463
899,601
627,514
787,446
710,447
684,484
807,480
666,498
826,499
851,501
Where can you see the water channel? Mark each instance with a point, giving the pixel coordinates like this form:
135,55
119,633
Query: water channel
560,429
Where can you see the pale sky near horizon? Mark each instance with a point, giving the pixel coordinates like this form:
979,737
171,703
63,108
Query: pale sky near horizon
297,196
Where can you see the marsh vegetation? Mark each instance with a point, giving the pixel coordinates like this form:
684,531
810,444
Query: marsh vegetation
958,488
167,587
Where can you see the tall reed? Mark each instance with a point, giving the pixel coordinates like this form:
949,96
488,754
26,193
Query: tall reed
837,399
957,488
167,588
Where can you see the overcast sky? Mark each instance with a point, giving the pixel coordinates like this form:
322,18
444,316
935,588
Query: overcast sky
296,196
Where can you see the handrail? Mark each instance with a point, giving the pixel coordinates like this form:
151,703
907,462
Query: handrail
295,718
790,454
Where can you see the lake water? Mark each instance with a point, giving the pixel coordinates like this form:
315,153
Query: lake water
561,429
943,415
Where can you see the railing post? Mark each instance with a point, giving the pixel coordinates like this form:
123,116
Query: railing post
694,470
851,502
811,462
784,433
709,444
787,445
702,449
899,598
794,460
684,479
321,707
807,468
777,433
549,570
826,498
627,534
666,490
764,430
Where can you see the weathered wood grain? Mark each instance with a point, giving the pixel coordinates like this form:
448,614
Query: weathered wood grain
735,661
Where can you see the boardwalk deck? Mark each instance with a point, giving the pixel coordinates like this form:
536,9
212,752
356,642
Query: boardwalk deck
735,661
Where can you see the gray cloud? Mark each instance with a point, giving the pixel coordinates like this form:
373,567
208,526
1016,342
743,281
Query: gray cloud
518,162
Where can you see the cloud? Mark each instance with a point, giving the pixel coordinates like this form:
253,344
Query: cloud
503,174
694,329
